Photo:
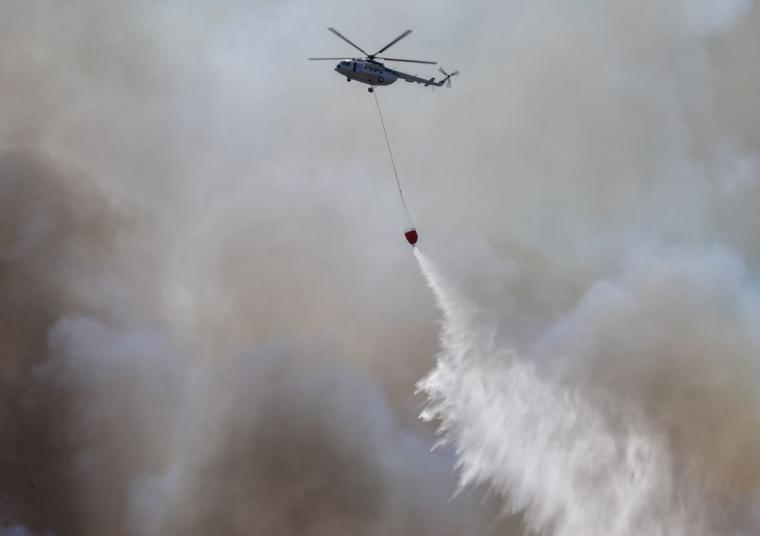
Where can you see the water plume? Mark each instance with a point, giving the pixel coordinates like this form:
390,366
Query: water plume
570,461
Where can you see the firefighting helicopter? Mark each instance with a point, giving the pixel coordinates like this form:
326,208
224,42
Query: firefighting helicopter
368,70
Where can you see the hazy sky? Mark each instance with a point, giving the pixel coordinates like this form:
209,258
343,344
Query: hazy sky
210,321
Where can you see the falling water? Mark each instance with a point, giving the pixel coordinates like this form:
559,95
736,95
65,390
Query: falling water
547,450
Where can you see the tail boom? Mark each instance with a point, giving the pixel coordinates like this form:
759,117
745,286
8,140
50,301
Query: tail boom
427,81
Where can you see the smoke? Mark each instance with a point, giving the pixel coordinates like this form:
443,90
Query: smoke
210,321
607,384
598,365
16,530
113,423
263,442
184,346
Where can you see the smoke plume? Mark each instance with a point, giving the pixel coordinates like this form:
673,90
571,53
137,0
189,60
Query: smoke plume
210,321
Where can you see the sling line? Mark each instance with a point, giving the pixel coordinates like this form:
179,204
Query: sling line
393,163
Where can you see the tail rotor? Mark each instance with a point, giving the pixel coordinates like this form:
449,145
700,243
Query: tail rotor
448,76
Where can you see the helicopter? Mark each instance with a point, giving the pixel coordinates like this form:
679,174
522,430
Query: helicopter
368,70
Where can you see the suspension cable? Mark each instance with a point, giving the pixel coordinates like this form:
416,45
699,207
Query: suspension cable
393,162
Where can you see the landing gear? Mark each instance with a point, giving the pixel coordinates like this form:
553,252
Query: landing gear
370,89
348,79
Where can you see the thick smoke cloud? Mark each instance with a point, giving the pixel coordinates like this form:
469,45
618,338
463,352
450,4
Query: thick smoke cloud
210,321
185,345
50,231
111,425
607,384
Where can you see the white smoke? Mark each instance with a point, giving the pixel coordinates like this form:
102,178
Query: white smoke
591,183
600,368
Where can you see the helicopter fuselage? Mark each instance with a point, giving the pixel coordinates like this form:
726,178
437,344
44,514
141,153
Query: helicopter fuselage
367,72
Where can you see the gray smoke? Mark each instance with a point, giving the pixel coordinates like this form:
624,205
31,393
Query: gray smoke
189,340
112,423
210,320
601,373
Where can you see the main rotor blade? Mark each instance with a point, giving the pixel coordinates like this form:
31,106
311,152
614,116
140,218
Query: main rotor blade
336,32
342,58
409,61
399,38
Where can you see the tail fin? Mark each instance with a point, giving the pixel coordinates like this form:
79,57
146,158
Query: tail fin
448,76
